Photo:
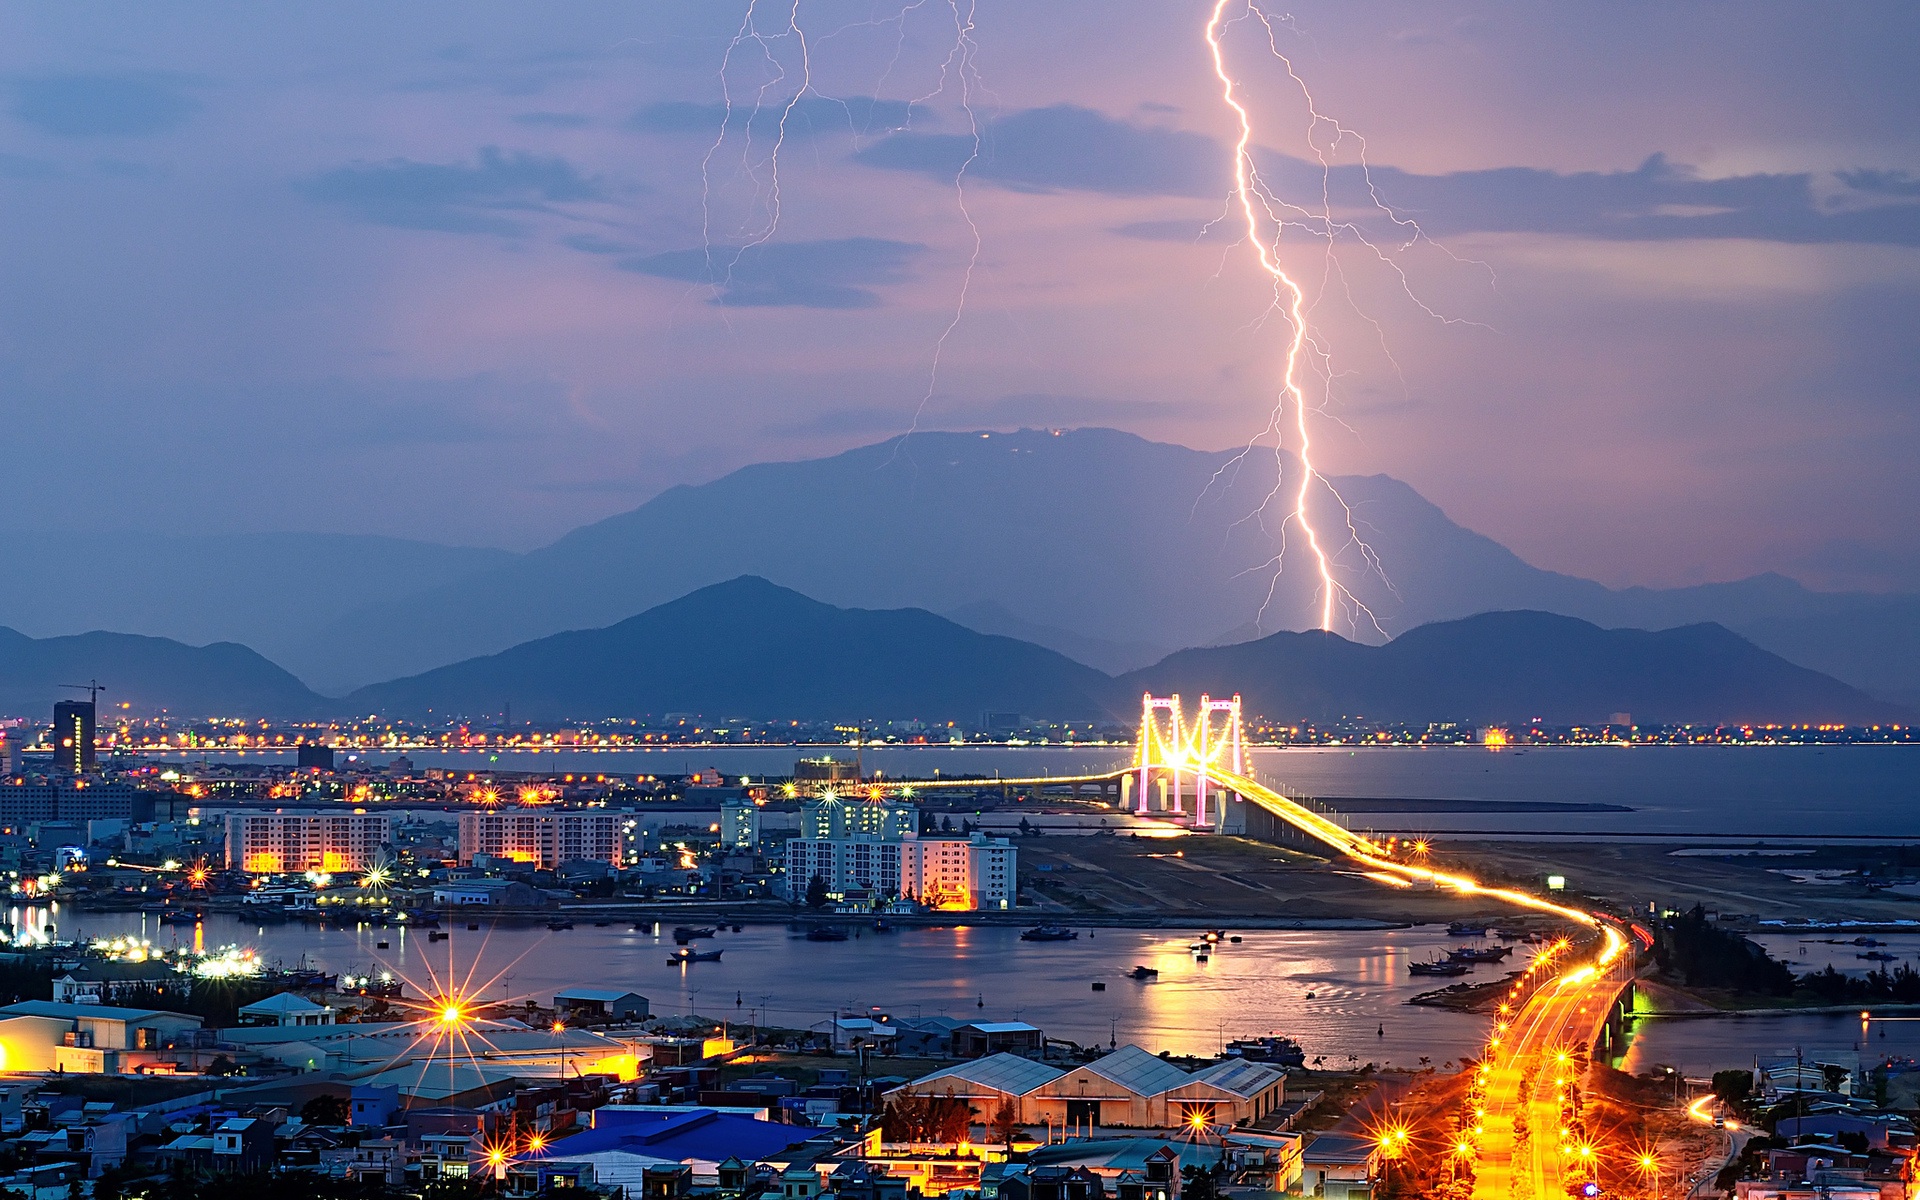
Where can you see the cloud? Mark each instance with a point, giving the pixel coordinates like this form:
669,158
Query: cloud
834,273
552,120
490,197
861,116
84,106
1065,148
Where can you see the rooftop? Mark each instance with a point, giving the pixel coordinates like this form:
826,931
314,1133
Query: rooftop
1007,1073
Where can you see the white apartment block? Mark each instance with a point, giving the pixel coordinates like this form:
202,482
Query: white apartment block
543,837
951,874
266,843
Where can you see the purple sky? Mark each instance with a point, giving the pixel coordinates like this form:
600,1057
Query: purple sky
437,270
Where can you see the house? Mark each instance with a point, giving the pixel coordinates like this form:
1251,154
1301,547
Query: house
242,1146
603,1002
1135,1168
106,982
286,1009
88,1039
1337,1166
372,1105
977,1039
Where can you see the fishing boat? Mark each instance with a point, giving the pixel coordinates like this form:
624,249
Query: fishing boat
437,935
1049,933
1478,954
557,926
1441,966
827,933
1145,973
179,917
688,954
686,933
1467,929
1878,956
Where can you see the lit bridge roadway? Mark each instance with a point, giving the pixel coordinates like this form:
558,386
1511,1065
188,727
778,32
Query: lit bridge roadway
1560,1018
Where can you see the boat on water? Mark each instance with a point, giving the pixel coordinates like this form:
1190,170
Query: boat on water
1878,956
1443,966
1049,933
1467,929
556,926
1216,935
1477,954
1145,973
686,933
437,935
827,933
882,925
690,955
178,917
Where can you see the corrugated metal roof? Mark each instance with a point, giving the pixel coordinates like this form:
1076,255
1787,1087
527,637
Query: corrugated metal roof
1139,1072
1240,1077
1007,1073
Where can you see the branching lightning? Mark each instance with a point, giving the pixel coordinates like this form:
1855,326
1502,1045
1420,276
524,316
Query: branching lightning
1266,217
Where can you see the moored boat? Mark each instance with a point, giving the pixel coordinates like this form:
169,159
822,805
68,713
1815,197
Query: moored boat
1049,933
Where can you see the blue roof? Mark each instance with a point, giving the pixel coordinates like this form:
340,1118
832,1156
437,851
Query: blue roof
702,1134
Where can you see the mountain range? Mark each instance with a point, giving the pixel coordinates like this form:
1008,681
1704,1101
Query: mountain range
1098,544
750,649
747,648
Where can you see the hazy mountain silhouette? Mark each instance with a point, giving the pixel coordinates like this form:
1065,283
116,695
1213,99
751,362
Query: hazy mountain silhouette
1095,543
150,675
746,648
1512,667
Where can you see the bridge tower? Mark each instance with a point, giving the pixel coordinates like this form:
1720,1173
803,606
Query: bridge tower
1176,748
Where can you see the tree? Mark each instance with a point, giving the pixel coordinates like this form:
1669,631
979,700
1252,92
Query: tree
1733,1087
951,1119
223,1066
817,892
326,1110
1006,1121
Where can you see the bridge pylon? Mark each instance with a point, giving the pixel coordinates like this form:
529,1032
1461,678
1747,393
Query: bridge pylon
1174,749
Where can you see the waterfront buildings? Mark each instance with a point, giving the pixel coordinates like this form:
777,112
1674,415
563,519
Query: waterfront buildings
544,838
875,848
264,843
24,801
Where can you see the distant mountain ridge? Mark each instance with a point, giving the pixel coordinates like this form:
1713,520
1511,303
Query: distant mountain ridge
150,675
747,648
1098,544
1114,538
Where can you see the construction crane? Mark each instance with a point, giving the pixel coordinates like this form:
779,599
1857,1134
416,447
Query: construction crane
92,687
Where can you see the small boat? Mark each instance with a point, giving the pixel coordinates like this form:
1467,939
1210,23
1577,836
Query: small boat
883,926
178,917
1214,935
827,933
556,926
1098,986
436,935
1867,941
686,933
1878,956
472,926
1235,939
1048,933
1145,973
1467,929
642,926
1200,947
1477,954
1510,935
690,955
738,928
1439,967
380,945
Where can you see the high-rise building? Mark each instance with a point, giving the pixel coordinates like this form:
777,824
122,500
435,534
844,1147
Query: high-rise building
543,837
313,756
830,817
950,874
22,802
264,843
73,725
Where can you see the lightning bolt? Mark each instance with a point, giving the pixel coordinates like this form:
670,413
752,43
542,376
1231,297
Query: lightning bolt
1266,217
1252,199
